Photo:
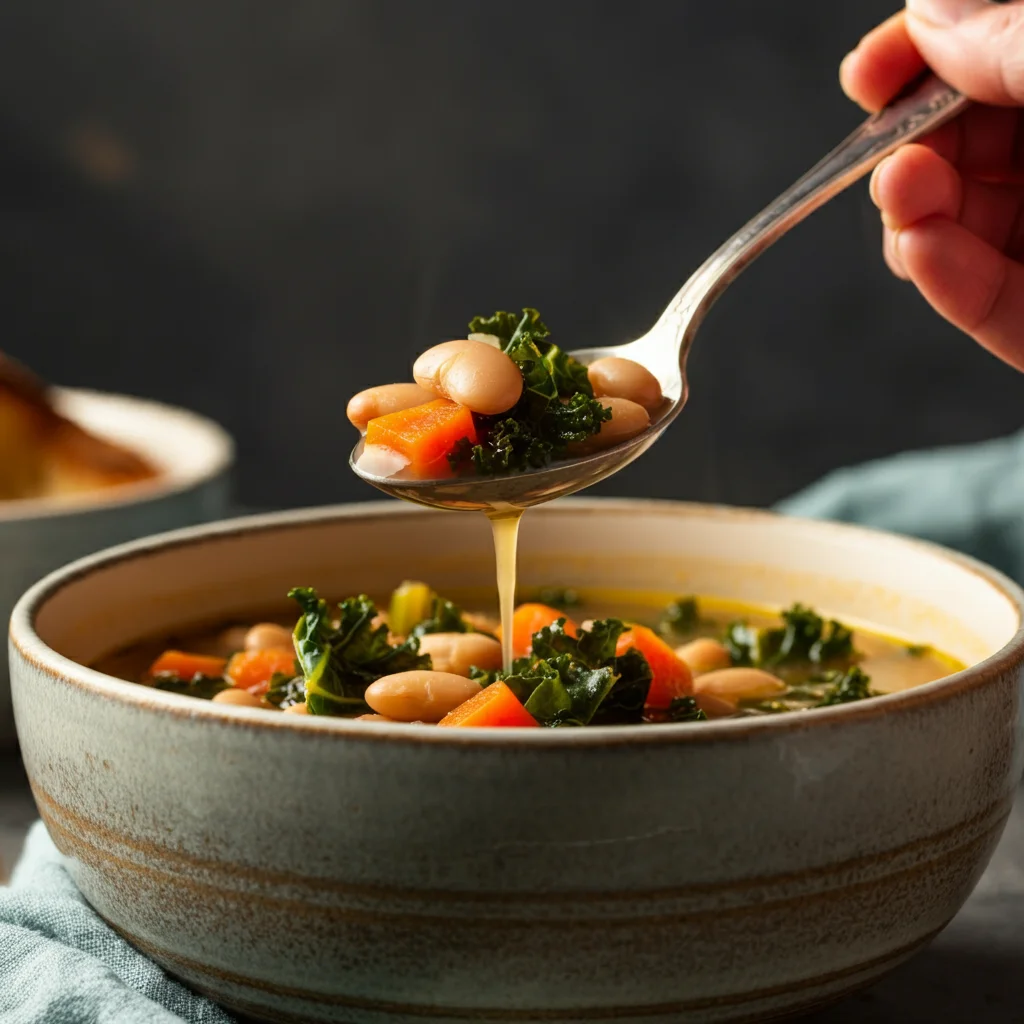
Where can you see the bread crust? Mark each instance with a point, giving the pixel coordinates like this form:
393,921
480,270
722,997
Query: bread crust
44,454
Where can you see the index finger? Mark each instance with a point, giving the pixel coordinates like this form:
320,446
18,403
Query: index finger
884,61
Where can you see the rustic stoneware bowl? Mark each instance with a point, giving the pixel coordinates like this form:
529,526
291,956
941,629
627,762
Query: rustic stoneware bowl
37,536
298,869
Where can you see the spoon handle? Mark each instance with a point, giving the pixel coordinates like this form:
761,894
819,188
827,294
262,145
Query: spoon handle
923,106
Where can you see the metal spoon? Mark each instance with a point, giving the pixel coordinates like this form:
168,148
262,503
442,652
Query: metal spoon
919,109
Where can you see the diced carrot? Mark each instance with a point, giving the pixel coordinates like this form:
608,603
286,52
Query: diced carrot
424,434
528,619
187,666
253,670
671,676
495,706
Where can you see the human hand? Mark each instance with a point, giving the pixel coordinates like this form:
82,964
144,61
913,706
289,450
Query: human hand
953,206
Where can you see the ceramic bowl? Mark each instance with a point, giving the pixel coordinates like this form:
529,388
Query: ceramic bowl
302,869
37,536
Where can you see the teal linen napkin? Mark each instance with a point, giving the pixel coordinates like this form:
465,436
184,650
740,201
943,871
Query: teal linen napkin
969,498
59,964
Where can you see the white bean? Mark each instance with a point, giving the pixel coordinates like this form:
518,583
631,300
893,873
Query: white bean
236,695
736,684
482,622
265,635
614,377
458,652
628,420
297,709
231,640
385,399
419,696
715,707
704,655
472,373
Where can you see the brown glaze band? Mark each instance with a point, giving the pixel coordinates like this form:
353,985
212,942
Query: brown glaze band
192,969
59,817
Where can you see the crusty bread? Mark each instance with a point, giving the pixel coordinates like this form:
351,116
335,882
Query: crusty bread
44,454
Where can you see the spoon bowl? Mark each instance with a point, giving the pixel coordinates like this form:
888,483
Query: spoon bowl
922,107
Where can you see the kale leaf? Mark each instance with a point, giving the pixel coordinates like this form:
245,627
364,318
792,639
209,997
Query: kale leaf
845,687
804,637
204,687
571,421
685,709
562,598
285,690
681,617
744,644
339,662
624,704
505,326
557,407
445,617
569,692
510,445
574,681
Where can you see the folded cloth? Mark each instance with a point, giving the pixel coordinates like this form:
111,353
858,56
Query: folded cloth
970,498
60,964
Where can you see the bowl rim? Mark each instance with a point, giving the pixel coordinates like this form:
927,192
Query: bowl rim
29,646
219,452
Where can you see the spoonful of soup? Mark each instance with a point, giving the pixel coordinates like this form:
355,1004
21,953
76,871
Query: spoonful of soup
504,419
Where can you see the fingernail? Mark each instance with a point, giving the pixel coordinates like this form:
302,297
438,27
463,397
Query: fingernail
896,236
845,63
944,12
890,243
876,175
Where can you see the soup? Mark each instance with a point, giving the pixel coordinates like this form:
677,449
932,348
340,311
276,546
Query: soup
579,660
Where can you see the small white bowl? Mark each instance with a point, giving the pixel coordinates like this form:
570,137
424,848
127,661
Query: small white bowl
194,457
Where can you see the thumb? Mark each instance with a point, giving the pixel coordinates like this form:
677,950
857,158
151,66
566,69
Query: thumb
975,45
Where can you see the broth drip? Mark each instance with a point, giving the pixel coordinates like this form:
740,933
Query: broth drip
505,528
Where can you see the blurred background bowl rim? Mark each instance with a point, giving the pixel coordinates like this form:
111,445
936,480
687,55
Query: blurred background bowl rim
217,459
36,652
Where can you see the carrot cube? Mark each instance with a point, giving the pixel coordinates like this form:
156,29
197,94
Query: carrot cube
187,666
424,434
671,676
495,706
253,670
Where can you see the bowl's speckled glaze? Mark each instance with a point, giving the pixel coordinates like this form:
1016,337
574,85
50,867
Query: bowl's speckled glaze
37,536
321,870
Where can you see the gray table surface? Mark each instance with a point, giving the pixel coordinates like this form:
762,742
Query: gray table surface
973,973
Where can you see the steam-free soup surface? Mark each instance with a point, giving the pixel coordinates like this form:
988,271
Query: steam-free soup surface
580,659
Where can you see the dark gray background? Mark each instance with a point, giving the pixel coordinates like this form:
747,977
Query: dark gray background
255,209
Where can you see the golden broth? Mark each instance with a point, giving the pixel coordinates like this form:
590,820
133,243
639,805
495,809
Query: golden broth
891,663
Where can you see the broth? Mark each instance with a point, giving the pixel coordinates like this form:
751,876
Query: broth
697,658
